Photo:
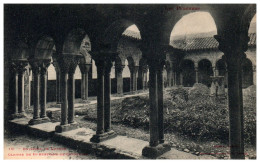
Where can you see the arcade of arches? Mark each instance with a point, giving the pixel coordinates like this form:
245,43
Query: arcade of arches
101,53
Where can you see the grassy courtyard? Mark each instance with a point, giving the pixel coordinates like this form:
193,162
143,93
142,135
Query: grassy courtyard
194,122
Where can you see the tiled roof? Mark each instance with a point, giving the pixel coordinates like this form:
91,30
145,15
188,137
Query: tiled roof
132,34
204,43
196,42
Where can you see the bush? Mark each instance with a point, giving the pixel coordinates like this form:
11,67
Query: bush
192,113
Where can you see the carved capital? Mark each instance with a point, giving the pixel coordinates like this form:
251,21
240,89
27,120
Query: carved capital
119,68
84,68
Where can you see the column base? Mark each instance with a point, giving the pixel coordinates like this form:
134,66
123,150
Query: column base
39,121
66,127
102,137
154,152
18,115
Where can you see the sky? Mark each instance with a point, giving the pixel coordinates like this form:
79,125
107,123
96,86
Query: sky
197,22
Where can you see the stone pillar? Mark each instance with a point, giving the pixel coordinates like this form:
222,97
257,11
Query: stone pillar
254,75
119,79
36,91
58,77
71,93
169,77
196,73
103,62
18,69
27,89
13,91
133,78
160,103
21,70
156,144
84,68
68,64
234,55
144,77
107,92
39,68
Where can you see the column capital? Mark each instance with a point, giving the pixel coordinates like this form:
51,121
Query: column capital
133,68
254,68
119,68
19,66
84,68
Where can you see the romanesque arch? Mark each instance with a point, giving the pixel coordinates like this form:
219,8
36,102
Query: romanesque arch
188,73
205,71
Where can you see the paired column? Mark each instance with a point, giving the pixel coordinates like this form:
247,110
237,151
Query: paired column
58,89
156,144
16,103
67,82
39,69
84,68
234,55
104,65
169,77
133,79
119,79
144,77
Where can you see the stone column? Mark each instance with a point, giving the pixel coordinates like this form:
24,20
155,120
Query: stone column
254,75
13,91
181,79
144,77
71,93
119,79
160,103
27,88
156,144
84,68
43,89
18,69
107,92
234,55
196,68
21,70
36,91
58,89
169,77
133,78
103,62
68,64
214,71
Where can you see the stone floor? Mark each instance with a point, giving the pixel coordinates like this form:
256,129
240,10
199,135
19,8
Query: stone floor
121,147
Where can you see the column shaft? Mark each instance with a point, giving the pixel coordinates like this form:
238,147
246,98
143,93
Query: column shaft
36,93
43,93
196,75
21,92
119,81
100,99
235,111
64,96
107,114
86,85
71,97
83,86
160,105
153,95
58,88
16,93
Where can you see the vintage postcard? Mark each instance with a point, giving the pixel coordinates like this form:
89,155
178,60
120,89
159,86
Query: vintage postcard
129,81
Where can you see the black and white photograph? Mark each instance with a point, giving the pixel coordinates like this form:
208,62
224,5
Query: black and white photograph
143,81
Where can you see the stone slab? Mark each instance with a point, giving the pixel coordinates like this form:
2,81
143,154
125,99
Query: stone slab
44,130
127,144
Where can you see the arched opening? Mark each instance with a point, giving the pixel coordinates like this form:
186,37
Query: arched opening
188,73
247,73
205,71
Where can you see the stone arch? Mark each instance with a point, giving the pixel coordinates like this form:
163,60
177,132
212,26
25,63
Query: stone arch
174,19
114,32
205,71
188,72
247,73
74,41
44,49
247,17
21,51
